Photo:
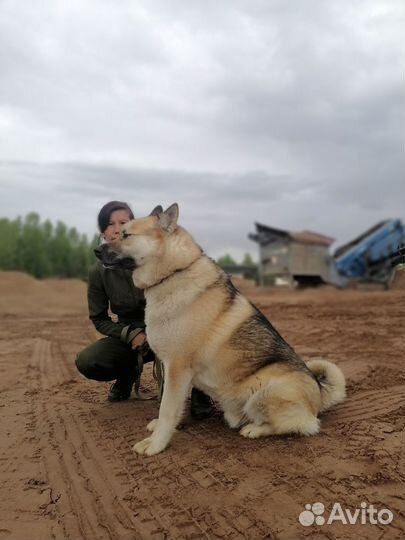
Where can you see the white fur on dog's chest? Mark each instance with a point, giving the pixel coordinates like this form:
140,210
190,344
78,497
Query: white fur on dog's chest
158,330
165,324
171,322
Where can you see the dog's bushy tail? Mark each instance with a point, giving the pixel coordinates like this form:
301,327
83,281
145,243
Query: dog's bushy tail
331,380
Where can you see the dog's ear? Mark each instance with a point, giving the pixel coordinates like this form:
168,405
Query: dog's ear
156,211
168,219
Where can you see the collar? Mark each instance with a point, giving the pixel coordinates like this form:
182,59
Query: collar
173,273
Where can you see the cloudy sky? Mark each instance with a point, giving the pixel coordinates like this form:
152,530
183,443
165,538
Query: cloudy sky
286,112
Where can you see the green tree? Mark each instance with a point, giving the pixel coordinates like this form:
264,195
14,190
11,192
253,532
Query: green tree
42,249
226,260
9,235
47,234
247,260
59,251
31,252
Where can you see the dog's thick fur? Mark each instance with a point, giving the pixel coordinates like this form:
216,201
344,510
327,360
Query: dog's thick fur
210,336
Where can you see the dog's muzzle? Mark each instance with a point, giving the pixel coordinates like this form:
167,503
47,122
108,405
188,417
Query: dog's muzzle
112,260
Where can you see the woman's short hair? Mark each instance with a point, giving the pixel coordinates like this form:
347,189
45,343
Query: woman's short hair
104,215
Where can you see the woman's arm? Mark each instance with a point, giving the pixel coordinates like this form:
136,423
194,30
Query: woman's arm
98,303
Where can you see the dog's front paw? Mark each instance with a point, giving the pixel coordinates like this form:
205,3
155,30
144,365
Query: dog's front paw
152,425
148,447
141,446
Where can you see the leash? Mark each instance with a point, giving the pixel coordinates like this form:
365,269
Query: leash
158,375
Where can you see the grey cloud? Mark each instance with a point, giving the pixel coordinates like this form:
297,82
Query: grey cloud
290,113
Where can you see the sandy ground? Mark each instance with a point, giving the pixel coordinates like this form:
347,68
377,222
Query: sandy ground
68,472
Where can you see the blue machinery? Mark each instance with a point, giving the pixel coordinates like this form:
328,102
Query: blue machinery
370,256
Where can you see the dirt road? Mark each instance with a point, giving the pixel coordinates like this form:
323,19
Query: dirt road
68,472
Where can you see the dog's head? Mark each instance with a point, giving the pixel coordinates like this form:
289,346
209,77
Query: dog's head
141,239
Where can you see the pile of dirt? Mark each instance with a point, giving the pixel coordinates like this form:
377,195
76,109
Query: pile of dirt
17,282
21,294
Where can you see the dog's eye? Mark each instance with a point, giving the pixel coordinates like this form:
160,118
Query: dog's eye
125,235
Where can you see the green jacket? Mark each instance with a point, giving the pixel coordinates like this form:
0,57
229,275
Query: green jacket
115,289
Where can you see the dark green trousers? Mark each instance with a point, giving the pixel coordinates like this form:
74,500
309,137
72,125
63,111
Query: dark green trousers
109,359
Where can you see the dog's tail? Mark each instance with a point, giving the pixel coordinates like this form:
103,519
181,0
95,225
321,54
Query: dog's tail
331,381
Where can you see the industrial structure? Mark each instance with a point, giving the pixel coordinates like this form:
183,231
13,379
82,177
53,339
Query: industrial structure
303,258
286,257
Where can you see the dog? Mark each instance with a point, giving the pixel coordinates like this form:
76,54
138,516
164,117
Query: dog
209,335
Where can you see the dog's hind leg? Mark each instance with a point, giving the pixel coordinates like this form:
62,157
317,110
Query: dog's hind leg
176,386
254,431
276,410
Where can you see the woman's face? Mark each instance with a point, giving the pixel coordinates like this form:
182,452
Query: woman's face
117,219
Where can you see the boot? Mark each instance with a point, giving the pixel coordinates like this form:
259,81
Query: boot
201,405
121,389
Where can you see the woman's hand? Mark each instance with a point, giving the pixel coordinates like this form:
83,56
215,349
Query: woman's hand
138,340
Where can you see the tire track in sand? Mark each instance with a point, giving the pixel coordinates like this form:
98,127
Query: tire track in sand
367,405
188,492
85,496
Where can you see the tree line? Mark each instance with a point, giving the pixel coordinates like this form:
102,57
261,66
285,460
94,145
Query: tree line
228,260
43,249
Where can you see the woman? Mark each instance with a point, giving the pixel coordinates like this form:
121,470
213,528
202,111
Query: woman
114,357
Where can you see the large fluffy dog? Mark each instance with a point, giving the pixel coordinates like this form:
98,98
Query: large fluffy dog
209,335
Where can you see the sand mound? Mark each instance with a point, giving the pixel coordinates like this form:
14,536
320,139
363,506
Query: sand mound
17,282
23,294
